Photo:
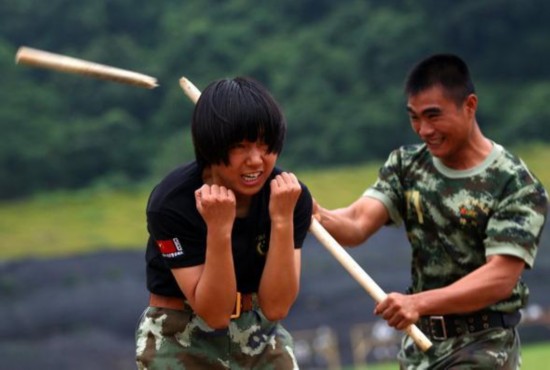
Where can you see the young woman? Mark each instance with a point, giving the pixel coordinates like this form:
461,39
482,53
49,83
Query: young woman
223,256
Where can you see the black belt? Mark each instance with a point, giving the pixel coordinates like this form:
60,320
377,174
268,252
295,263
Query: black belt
449,326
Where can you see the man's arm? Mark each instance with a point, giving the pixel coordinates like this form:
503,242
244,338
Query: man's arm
354,224
490,283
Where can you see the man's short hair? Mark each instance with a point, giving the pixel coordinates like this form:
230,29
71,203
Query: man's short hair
230,111
445,70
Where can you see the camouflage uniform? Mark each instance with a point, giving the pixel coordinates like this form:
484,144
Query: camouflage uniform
489,349
454,221
179,339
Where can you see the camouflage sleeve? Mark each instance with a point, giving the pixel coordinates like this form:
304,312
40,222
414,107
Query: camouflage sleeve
395,217
515,228
387,187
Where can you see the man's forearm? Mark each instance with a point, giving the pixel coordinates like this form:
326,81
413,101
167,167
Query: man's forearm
483,287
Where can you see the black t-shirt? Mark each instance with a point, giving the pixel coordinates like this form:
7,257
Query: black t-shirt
177,232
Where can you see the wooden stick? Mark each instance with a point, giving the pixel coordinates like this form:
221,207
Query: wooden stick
43,59
336,249
192,92
362,277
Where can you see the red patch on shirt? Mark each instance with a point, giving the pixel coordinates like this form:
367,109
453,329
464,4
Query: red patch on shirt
168,246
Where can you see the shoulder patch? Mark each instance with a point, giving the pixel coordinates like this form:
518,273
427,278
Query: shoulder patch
170,248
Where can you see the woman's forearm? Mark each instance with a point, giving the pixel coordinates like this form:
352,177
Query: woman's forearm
280,280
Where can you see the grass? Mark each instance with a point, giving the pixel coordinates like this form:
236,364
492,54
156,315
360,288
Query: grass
63,223
338,187
536,356
67,223
81,221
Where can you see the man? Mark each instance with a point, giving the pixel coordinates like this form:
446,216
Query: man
473,213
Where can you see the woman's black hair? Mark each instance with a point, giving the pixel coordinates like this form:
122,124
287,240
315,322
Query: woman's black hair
230,111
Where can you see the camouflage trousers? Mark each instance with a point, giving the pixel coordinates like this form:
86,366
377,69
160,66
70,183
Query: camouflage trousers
179,339
489,349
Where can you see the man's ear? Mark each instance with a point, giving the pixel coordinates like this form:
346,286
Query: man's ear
471,104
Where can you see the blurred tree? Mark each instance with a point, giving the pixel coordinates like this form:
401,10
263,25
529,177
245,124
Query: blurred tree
337,68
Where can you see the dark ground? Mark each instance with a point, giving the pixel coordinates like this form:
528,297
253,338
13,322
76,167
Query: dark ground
80,312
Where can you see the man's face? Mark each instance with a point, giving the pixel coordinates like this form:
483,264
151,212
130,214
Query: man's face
444,127
248,169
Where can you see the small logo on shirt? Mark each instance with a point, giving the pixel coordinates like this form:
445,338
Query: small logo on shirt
261,245
473,213
170,248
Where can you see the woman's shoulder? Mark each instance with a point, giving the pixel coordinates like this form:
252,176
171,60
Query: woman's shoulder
178,185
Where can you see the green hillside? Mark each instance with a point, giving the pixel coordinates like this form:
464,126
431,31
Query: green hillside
73,222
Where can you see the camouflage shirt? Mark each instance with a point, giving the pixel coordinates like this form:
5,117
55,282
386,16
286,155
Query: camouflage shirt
456,218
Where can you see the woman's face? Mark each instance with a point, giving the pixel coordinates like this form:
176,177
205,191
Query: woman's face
248,169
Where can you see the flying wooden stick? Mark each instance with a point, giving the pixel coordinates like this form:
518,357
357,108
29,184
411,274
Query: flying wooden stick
63,63
335,249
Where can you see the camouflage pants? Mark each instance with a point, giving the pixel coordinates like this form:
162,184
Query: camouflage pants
489,349
173,339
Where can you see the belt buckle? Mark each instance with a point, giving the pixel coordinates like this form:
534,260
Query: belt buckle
238,304
441,321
